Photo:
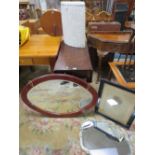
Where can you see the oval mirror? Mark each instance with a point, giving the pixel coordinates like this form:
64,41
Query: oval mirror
59,95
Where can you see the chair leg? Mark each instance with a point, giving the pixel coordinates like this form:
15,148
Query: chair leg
119,57
130,59
126,57
89,76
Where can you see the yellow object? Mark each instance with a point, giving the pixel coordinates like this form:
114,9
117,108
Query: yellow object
24,34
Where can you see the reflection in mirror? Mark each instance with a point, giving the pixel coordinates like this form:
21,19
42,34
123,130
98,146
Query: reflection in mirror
93,141
59,96
116,103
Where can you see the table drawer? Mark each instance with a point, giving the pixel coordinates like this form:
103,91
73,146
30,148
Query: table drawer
41,61
25,61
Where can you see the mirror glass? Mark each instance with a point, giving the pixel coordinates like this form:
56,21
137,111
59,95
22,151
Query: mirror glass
98,143
59,96
116,103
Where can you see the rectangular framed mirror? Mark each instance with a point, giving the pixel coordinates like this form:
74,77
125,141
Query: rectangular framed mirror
116,103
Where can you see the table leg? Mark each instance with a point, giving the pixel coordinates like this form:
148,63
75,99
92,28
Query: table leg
52,63
99,68
32,68
109,75
89,76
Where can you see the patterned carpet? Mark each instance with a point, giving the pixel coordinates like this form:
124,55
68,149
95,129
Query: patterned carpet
40,135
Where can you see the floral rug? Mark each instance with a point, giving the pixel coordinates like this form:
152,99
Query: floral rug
41,135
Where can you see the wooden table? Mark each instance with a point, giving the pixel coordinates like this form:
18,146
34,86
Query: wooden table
74,61
111,42
106,39
39,50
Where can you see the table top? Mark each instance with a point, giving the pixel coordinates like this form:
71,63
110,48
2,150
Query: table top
120,37
40,46
71,58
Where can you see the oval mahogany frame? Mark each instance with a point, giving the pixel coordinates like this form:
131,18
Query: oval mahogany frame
74,79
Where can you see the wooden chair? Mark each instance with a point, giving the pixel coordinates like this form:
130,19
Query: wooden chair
51,23
124,71
130,3
98,15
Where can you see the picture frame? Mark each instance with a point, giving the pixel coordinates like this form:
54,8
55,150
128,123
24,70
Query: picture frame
116,103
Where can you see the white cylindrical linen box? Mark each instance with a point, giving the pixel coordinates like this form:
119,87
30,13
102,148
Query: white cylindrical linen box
73,23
